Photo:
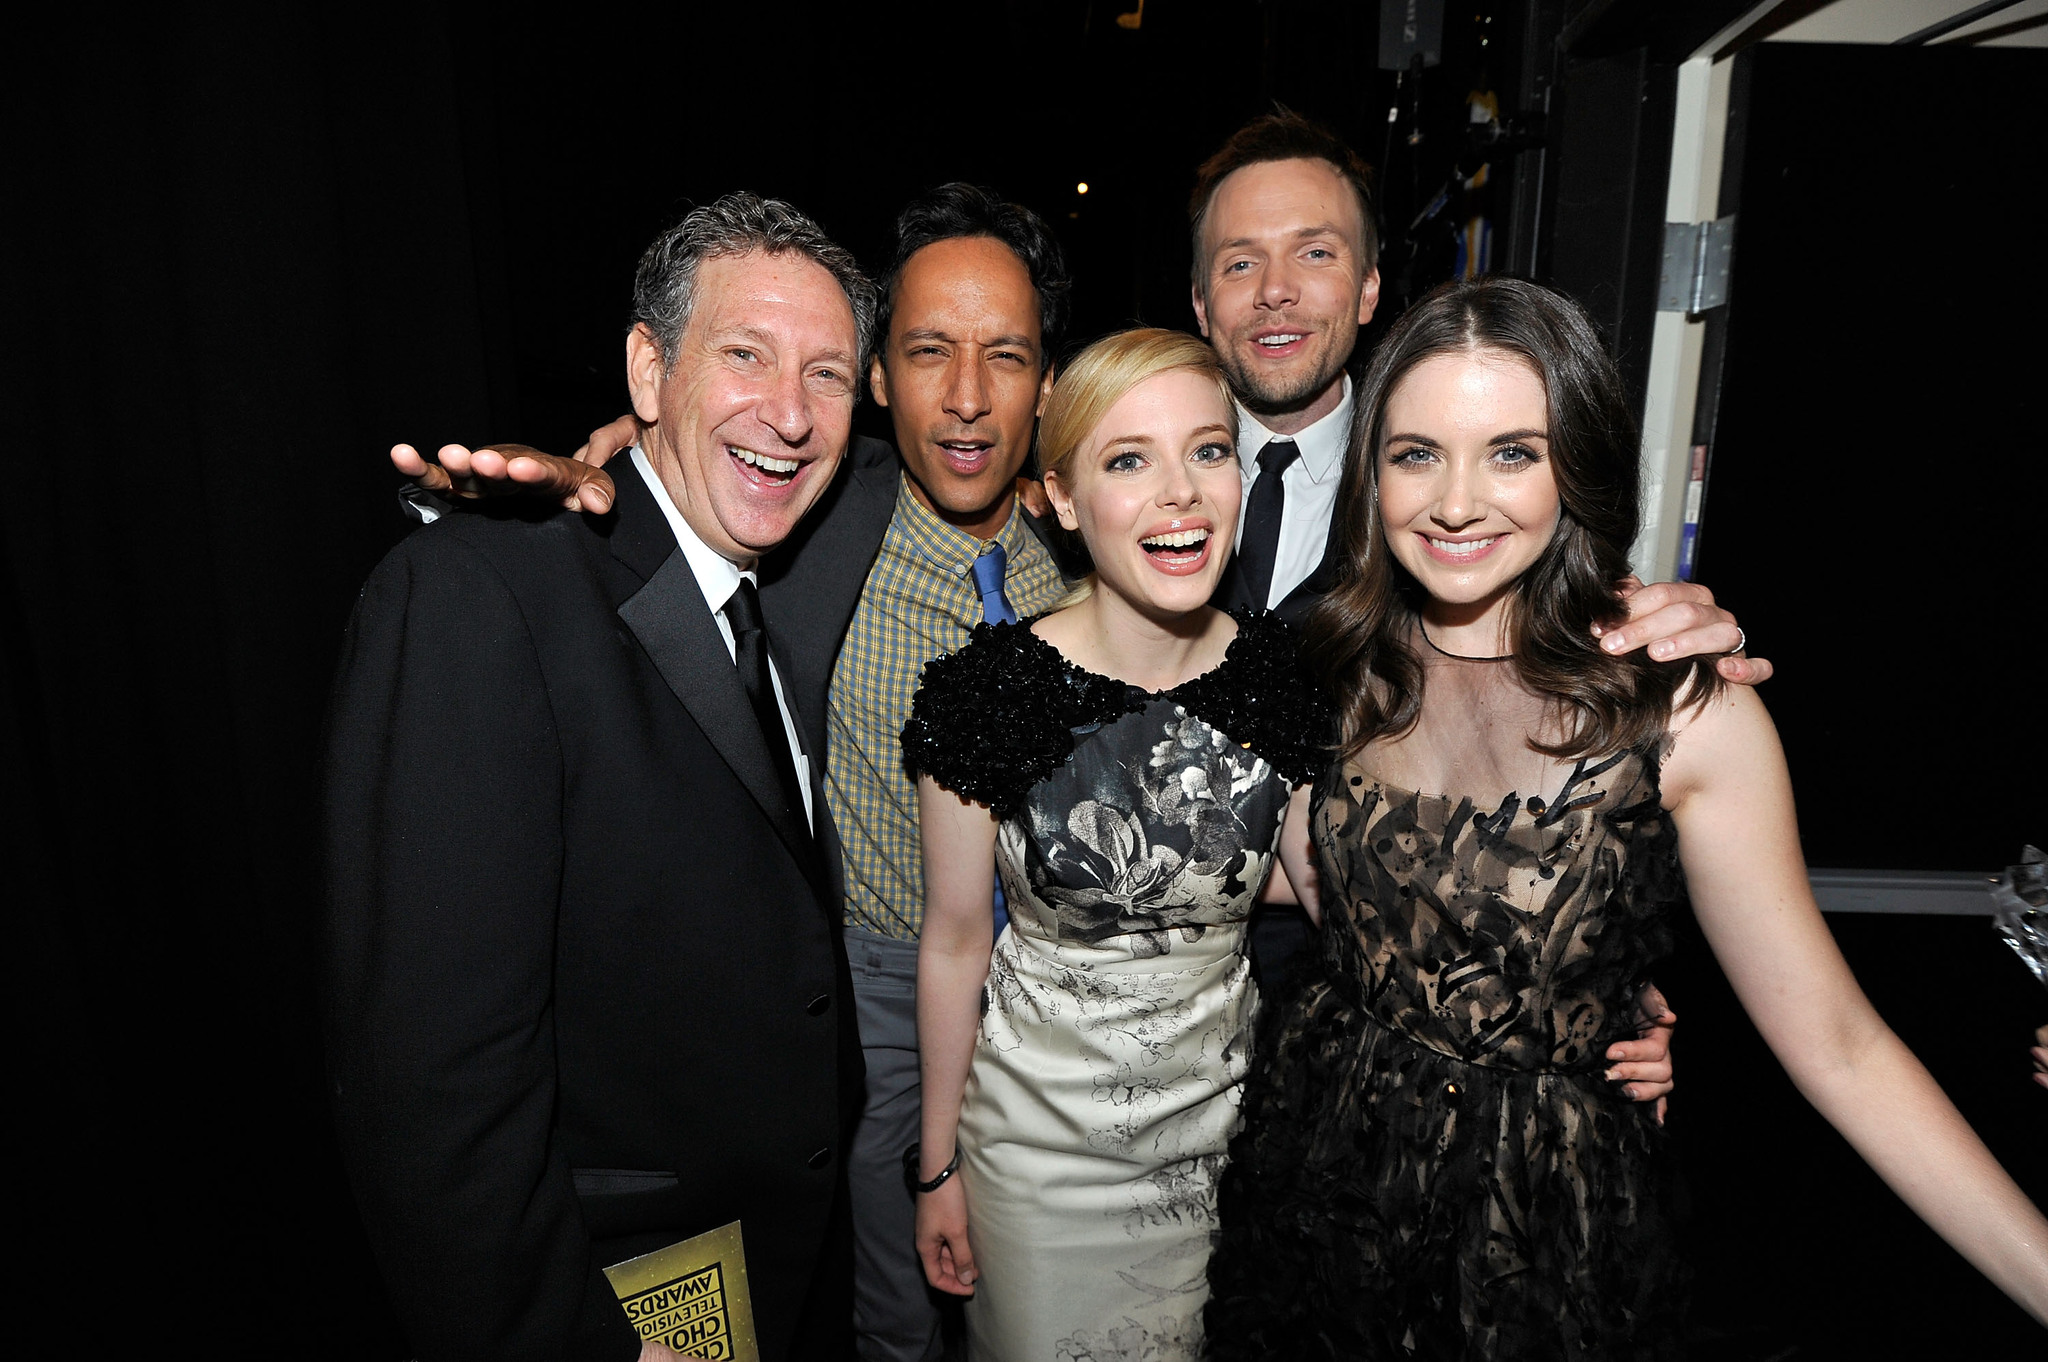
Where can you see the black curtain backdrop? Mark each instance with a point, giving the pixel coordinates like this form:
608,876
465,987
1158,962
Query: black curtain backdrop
246,252
241,254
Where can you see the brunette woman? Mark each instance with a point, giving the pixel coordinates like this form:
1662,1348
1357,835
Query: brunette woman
1432,1165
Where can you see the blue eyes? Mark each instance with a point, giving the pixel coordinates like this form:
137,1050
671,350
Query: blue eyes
1506,456
1318,254
1207,456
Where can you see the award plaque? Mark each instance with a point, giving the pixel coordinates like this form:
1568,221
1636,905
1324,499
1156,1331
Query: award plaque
692,1296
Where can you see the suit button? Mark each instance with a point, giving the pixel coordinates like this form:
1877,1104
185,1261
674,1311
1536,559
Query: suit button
816,1006
821,1158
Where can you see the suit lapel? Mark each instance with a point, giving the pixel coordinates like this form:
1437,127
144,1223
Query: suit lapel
1230,591
1316,585
811,583
674,625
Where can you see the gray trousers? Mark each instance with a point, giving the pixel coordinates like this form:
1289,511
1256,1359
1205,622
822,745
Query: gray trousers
896,1315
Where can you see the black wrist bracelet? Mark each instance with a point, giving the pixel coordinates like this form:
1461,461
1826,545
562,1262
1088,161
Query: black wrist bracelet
910,1178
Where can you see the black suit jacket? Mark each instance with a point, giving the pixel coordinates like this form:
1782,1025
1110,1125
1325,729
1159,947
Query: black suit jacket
584,989
1232,594
812,581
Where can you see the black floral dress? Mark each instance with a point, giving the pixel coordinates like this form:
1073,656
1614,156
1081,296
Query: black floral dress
1432,1165
1136,830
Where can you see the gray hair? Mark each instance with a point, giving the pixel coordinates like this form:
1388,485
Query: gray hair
666,282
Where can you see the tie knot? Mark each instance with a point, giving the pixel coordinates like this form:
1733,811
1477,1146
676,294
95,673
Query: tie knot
1277,454
989,568
743,609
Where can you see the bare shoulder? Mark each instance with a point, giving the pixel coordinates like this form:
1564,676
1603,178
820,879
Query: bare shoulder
1728,737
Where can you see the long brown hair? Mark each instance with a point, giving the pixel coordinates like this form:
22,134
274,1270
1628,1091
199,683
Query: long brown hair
1359,635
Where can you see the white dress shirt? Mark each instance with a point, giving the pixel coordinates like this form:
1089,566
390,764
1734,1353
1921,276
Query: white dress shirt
1310,483
718,577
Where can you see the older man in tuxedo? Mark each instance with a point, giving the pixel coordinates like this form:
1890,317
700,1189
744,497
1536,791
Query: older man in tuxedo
613,1010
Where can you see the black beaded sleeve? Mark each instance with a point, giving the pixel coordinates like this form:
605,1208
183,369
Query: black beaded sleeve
994,719
1263,696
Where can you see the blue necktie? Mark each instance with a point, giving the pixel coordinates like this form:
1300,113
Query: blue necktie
988,580
995,609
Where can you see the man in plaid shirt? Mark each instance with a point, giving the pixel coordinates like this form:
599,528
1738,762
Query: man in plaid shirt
973,305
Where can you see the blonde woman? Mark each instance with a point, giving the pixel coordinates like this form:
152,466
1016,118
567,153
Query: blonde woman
1128,762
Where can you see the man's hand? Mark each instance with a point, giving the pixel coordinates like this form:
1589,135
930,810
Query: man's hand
516,469
942,1238
651,1351
2040,1053
1031,492
1678,620
1643,1065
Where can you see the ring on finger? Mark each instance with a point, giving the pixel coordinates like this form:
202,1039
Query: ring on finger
1741,641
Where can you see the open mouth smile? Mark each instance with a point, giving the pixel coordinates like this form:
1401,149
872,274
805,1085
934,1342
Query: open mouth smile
965,457
1459,550
765,470
1280,343
1178,551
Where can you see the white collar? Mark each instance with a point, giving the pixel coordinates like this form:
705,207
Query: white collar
717,576
1321,445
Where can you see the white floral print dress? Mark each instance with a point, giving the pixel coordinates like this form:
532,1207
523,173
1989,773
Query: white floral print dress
1136,832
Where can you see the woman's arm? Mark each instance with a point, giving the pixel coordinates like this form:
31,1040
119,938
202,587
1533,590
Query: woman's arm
1297,860
1728,790
952,965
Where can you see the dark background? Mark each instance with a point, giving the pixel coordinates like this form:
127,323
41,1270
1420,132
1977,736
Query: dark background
1885,473
245,253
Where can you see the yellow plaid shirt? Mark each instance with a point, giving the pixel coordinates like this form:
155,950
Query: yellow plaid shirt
919,603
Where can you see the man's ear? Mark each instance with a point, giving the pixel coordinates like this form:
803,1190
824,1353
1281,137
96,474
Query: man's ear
1044,391
878,379
1368,295
1062,501
1202,305
644,372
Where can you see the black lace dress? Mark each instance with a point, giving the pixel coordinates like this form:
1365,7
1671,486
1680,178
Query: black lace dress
1136,830
1432,1165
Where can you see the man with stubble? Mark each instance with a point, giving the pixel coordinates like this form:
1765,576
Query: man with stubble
971,314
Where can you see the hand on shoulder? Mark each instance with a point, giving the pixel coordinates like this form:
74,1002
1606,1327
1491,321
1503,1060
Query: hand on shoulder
1675,621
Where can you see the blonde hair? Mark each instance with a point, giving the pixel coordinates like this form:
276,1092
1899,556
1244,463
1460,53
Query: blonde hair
1097,380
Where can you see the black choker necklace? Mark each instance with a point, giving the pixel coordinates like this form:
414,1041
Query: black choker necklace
1460,657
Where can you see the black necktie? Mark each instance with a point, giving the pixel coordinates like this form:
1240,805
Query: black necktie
750,657
1259,545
